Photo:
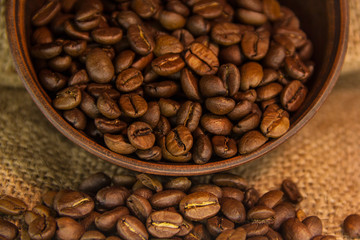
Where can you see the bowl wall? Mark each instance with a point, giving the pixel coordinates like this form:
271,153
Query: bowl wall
325,22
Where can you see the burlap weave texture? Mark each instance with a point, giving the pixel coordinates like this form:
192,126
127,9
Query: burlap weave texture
323,158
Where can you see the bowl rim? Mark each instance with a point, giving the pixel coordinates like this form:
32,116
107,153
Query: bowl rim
15,15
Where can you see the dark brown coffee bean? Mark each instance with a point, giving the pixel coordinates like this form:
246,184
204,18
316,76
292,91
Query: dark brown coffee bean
46,13
189,115
140,39
224,147
153,154
11,205
202,150
179,141
255,229
72,31
107,36
231,54
216,225
42,228
171,20
88,105
119,144
143,191
92,235
46,51
241,109
123,180
230,75
314,224
42,35
212,86
180,183
295,68
283,212
110,126
291,191
89,221
99,66
268,91
233,209
272,10
197,25
68,228
251,197
168,107
150,182
251,141
167,44
73,204
48,198
52,81
210,188
167,64
124,60
164,224
271,198
286,43
139,206
226,34
127,18
201,59
8,230
251,75
324,237
166,198
255,44
233,234
208,9
249,95
145,9
296,36
275,56
220,105
189,85
294,229
67,98
199,206
250,122
184,36
261,214
133,105
293,95
76,118
141,135
275,121
218,125
231,192
351,225
163,89
178,7
78,78
111,197
108,106
162,128
129,227
251,17
60,63
94,183
129,80
152,115
107,221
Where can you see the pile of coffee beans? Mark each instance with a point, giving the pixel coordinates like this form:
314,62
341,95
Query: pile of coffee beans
174,80
145,207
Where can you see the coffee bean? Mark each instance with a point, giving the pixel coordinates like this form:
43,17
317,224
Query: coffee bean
73,204
99,66
52,81
46,13
231,54
314,224
249,122
111,197
145,9
179,141
210,188
89,235
218,125
150,182
189,85
163,89
226,34
295,68
251,141
110,126
233,234
140,39
141,135
8,230
275,121
47,50
108,106
241,109
216,225
231,192
189,115
129,227
212,86
107,221
180,183
107,36
201,59
251,17
230,75
202,150
166,198
271,198
139,206
351,225
94,183
283,212
118,144
294,229
233,210
153,154
48,198
251,75
261,214
224,147
199,206
42,228
11,205
293,95
129,80
291,191
164,224
167,64
255,229
89,221
76,118
220,105
171,20
167,44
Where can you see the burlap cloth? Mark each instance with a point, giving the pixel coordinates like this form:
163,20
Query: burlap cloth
323,158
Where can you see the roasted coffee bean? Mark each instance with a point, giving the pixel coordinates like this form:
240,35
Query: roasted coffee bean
189,85
272,10
220,105
233,234
275,121
255,44
255,229
178,7
210,188
164,224
231,192
208,9
42,228
216,225
153,154
94,183
99,66
11,205
107,221
249,122
118,144
150,182
152,115
110,126
167,64
167,44
197,25
124,60
291,191
129,227
201,59
233,209
198,232
68,228
60,63
76,118
145,9
162,128
249,95
67,98
163,89
294,229
123,180
143,192
107,36
168,107
351,225
231,54
46,51
133,105
324,237
226,34
224,147
275,56
111,197
46,13
296,36
251,197
73,204
92,235
140,39
230,75
261,214
48,198
268,91
141,135
8,230
295,68
139,206
283,212
184,36
218,125
129,80
79,78
286,43
166,198
199,206
52,81
171,20
180,183
42,35
293,95
212,86
179,141
251,75
251,141
202,150
251,17
271,198
89,221
314,224
189,115
241,109
108,106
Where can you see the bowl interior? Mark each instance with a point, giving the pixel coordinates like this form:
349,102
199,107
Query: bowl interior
325,23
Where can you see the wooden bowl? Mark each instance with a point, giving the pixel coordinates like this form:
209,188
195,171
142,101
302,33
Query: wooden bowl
325,22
